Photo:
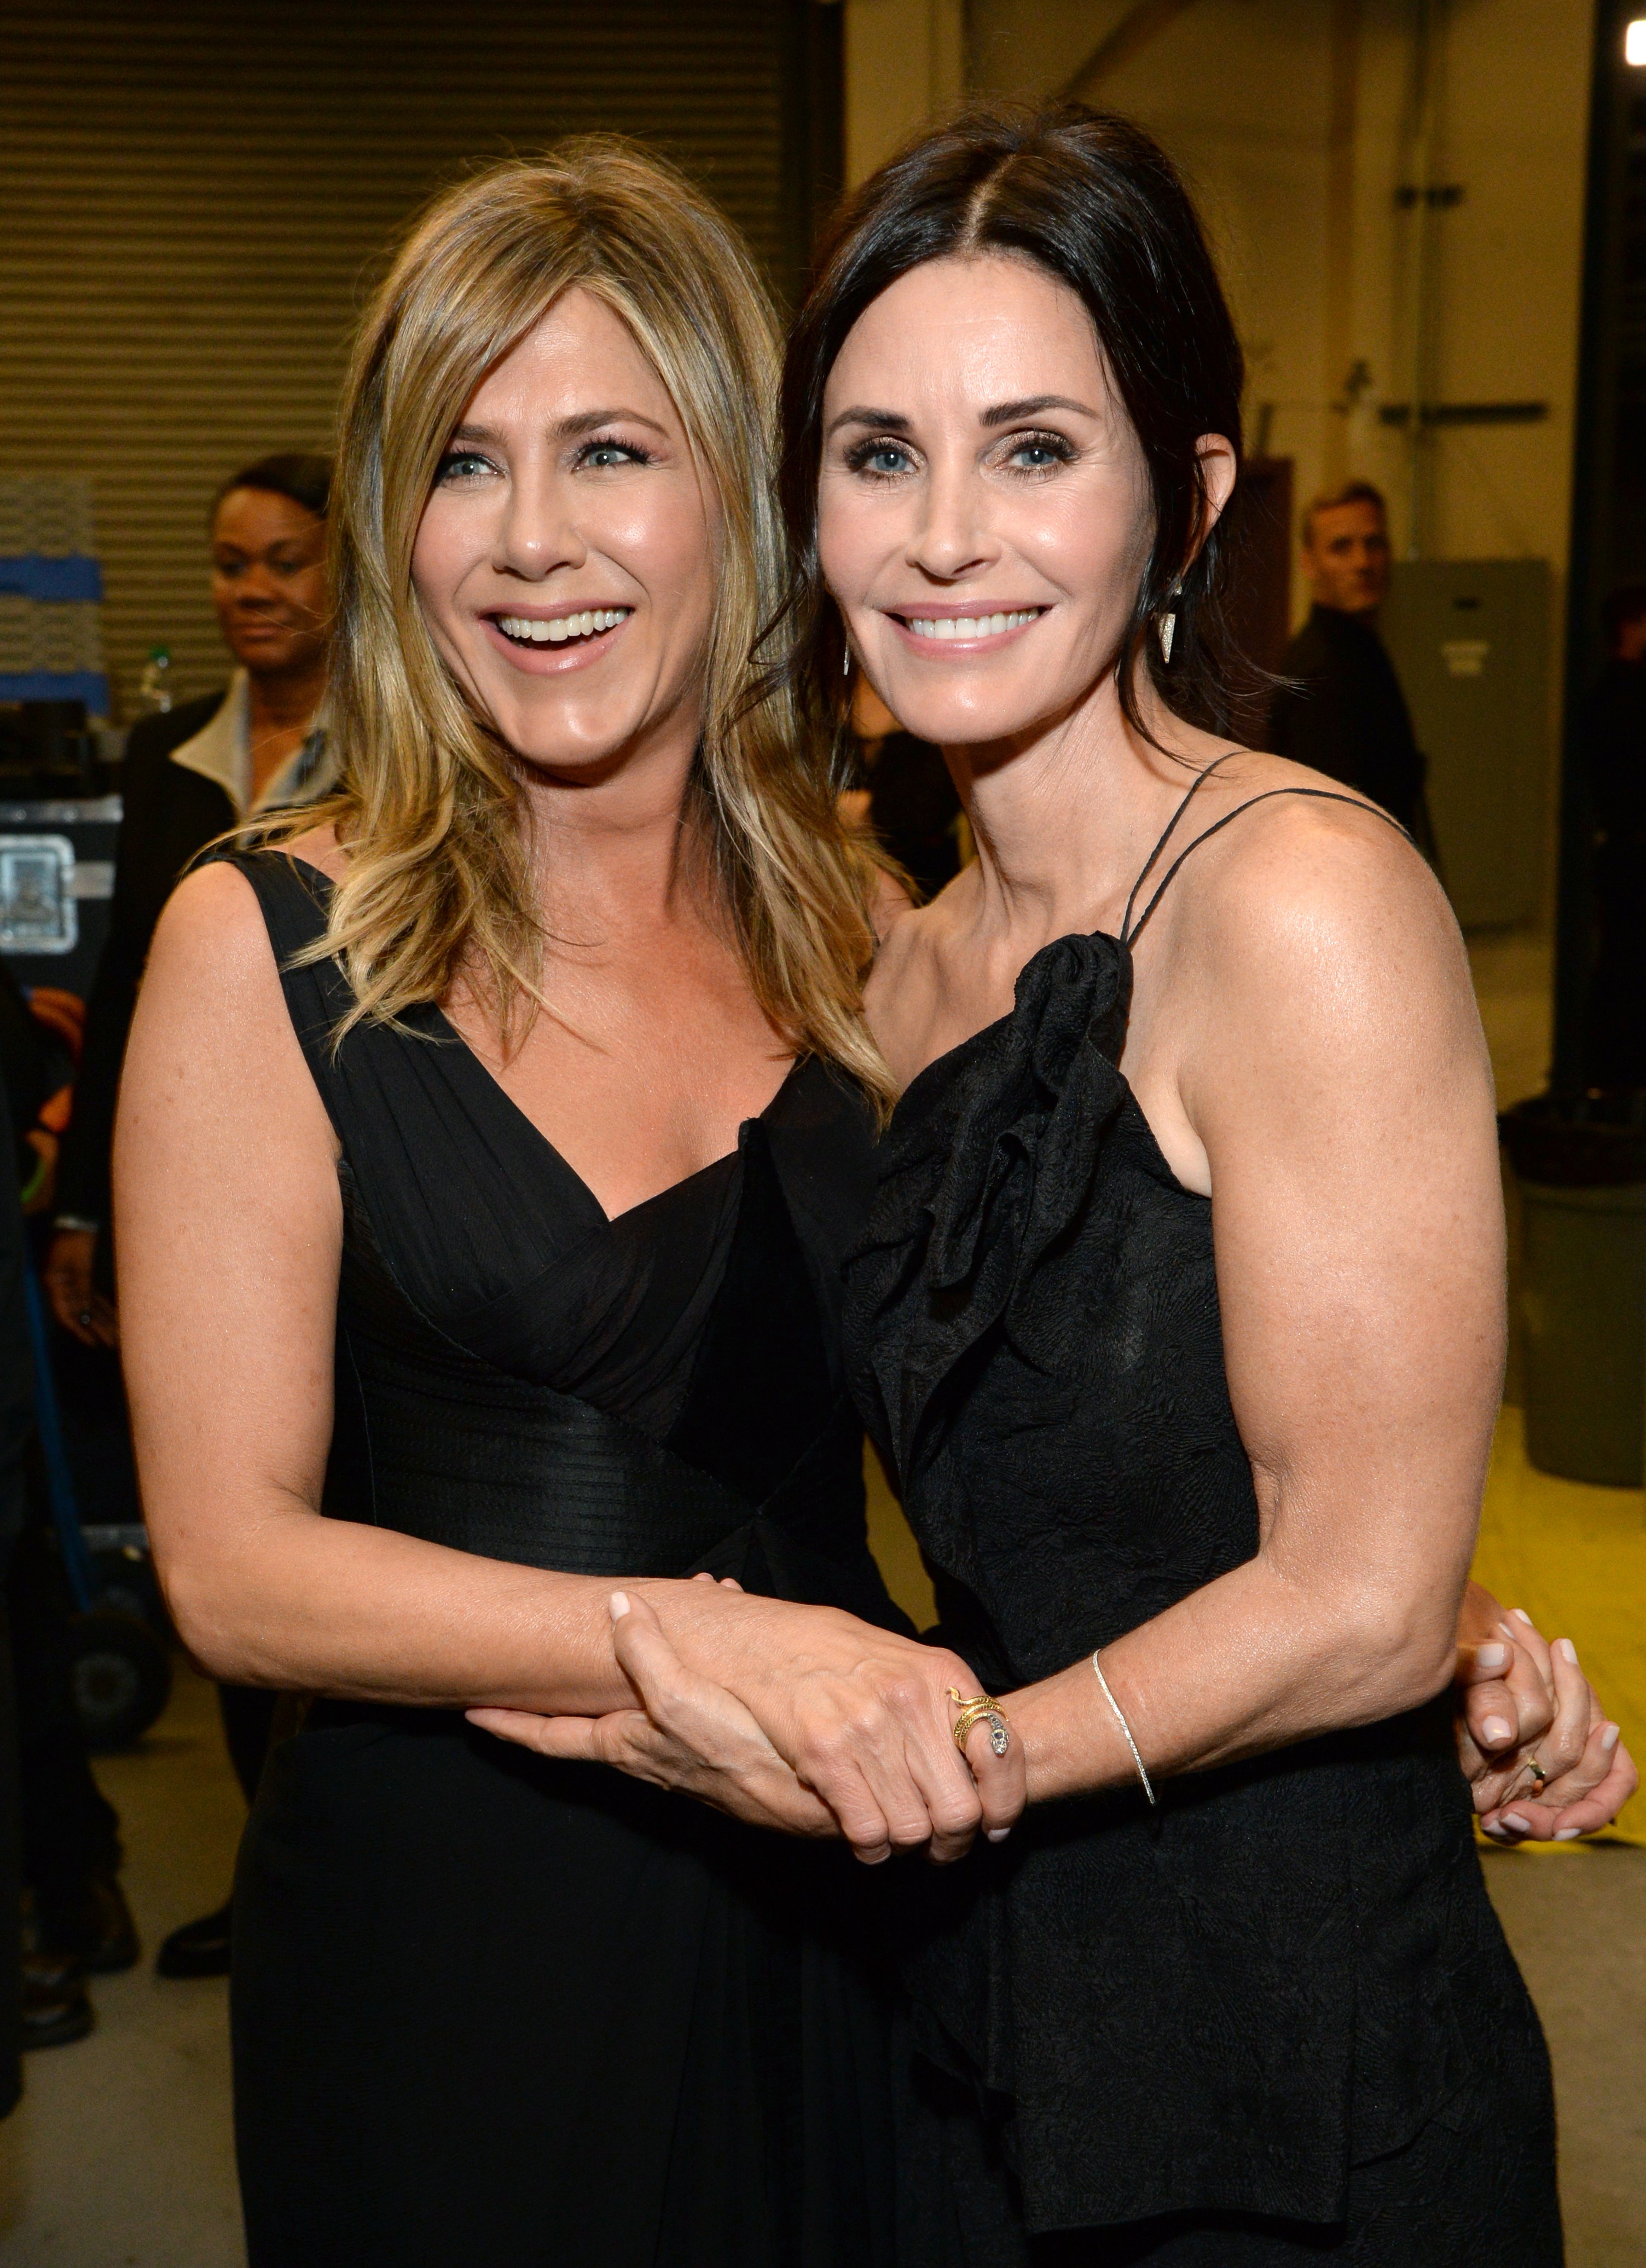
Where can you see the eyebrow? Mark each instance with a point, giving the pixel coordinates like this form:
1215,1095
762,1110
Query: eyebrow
570,429
885,420
1004,413
1007,413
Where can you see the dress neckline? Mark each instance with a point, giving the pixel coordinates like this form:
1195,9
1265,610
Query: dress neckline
495,1086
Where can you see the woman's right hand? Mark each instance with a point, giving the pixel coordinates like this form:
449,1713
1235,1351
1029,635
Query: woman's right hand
861,1716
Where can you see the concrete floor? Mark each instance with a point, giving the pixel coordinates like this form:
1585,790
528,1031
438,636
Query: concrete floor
119,2154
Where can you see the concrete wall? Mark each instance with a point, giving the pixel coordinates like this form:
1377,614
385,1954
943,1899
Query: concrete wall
905,63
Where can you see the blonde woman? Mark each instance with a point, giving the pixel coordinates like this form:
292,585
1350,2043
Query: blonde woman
519,1092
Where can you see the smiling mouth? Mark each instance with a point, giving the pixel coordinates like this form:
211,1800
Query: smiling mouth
560,630
970,626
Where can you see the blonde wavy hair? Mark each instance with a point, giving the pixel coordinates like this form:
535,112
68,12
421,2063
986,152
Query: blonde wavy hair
431,805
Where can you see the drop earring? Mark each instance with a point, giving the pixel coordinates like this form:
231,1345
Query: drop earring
1167,623
845,663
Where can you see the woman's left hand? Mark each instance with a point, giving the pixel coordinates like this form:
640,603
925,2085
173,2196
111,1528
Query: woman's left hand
691,1734
1521,1700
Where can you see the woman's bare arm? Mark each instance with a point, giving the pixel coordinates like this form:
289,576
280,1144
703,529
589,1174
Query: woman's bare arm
1332,1065
229,1232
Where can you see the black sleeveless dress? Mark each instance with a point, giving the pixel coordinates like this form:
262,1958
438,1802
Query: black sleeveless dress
1276,2020
490,2011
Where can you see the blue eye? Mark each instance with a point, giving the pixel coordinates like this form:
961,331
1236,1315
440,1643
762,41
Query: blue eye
460,465
1038,453
604,456
885,460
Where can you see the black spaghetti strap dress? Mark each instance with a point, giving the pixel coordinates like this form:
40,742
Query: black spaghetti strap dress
1275,2021
492,2011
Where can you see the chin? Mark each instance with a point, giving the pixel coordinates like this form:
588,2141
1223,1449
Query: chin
951,723
548,745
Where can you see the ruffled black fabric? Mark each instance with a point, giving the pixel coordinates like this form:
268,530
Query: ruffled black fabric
1293,1965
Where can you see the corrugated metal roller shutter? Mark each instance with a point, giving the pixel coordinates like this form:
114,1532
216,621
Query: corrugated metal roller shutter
192,198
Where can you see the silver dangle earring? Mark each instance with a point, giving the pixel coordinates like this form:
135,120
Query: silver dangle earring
845,663
1167,624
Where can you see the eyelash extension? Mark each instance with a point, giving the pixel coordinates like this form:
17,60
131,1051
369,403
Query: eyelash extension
459,457
858,455
630,449
1060,447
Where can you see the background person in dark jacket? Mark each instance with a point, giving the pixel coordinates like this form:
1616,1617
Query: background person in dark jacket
189,777
69,1847
17,1418
1348,717
1614,742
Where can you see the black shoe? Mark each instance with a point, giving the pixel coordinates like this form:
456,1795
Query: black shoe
200,1949
56,2006
91,1922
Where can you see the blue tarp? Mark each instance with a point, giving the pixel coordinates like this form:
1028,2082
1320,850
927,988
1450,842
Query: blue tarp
33,576
87,685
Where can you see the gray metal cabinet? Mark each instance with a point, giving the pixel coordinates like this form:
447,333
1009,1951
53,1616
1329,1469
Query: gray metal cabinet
1470,638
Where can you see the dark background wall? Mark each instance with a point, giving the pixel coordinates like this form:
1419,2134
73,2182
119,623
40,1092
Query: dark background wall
193,201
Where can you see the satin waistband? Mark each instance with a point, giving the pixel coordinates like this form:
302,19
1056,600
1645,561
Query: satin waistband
459,1455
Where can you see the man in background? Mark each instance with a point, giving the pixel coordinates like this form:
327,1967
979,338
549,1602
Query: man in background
1346,715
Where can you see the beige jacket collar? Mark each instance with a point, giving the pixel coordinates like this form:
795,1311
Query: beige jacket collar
222,751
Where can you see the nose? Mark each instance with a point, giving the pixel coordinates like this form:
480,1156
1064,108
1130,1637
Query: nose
951,537
258,585
537,530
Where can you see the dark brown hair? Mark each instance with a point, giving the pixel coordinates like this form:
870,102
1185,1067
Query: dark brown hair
294,474
1095,201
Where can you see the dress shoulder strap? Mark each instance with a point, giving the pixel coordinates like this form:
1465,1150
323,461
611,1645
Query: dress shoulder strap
1131,930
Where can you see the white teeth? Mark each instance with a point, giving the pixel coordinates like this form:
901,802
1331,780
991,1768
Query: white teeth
970,626
530,630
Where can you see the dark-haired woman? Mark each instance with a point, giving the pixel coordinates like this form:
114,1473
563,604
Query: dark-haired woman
1178,1313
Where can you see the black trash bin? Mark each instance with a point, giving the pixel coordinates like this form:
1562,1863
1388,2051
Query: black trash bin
1581,1164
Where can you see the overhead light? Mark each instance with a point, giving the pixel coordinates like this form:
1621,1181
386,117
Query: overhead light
1635,43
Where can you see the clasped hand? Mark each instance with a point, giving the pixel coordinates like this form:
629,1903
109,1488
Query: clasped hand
805,1719
799,1718
1521,1699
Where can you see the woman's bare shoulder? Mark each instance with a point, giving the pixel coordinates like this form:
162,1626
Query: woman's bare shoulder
1315,908
211,959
